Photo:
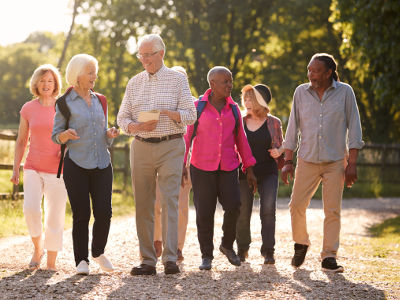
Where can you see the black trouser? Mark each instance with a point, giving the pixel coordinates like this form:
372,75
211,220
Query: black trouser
81,183
207,187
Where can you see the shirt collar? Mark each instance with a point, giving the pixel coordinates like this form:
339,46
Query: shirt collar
229,99
333,85
157,75
73,94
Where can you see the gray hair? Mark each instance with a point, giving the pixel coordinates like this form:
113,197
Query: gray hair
76,66
38,74
154,39
180,69
215,70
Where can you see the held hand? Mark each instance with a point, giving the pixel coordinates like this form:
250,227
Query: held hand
148,126
69,134
350,174
15,177
112,132
184,176
251,179
287,170
274,152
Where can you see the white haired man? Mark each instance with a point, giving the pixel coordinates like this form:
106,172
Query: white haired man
158,148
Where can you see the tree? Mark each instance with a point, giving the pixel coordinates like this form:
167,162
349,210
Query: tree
370,43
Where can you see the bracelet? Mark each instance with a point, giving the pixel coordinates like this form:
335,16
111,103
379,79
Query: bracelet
288,162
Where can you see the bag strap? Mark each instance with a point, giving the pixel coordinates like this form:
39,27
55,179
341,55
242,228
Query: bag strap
200,107
61,103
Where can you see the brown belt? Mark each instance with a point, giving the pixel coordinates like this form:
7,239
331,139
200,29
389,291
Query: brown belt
159,139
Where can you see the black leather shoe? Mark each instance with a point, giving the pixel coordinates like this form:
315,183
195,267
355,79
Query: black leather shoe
170,267
205,264
231,255
269,257
143,269
243,254
299,254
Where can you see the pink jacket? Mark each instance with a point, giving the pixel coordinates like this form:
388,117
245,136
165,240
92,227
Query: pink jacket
215,143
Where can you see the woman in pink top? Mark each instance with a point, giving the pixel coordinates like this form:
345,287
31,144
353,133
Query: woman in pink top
217,144
40,168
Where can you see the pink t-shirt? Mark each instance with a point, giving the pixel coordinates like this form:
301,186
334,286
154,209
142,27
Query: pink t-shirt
43,155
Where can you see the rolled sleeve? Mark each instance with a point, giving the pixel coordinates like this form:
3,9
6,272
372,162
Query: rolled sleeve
124,117
353,121
243,147
186,106
292,130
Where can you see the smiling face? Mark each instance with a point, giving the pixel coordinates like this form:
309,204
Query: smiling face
221,83
150,57
46,85
88,77
318,74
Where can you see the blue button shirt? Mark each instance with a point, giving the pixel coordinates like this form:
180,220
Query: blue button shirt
90,150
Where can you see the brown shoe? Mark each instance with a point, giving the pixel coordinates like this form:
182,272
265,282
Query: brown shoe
158,247
143,269
179,254
171,267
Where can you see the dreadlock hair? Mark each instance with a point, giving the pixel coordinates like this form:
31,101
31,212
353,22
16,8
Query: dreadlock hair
329,62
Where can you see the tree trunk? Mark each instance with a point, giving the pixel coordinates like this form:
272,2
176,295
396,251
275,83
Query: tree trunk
74,13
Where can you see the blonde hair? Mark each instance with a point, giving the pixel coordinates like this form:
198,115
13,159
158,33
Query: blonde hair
77,65
259,111
38,74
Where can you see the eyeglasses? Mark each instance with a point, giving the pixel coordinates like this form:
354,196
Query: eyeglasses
146,55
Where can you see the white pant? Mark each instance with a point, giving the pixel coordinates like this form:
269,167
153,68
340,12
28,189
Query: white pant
37,184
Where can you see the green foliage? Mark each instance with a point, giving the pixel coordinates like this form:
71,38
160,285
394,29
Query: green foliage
371,39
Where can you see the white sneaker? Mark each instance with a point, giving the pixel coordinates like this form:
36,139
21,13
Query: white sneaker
104,263
82,268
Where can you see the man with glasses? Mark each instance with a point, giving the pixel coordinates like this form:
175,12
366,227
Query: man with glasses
158,148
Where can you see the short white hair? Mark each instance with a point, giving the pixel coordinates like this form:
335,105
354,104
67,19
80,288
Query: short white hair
215,70
180,69
76,66
154,39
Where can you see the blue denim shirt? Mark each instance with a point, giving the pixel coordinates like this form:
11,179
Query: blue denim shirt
90,150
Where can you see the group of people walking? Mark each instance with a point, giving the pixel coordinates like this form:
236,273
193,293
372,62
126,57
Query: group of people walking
228,157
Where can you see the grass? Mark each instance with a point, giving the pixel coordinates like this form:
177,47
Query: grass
379,253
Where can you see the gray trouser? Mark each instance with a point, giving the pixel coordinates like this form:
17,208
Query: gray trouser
149,160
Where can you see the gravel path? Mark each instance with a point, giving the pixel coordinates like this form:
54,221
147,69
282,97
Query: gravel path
251,280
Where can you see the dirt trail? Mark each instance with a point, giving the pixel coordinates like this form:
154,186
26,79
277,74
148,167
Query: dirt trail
251,280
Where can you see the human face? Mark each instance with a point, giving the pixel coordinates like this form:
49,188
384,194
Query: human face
248,102
151,59
318,74
88,77
46,85
221,84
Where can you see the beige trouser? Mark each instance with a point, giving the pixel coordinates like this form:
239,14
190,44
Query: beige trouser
162,161
183,213
307,179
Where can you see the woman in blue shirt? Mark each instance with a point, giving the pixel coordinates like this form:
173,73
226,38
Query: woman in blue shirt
87,163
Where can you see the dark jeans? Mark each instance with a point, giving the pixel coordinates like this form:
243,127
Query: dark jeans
82,183
207,187
267,189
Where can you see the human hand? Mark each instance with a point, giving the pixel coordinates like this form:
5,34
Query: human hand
148,126
287,173
112,132
184,176
350,174
15,177
274,152
251,179
69,134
